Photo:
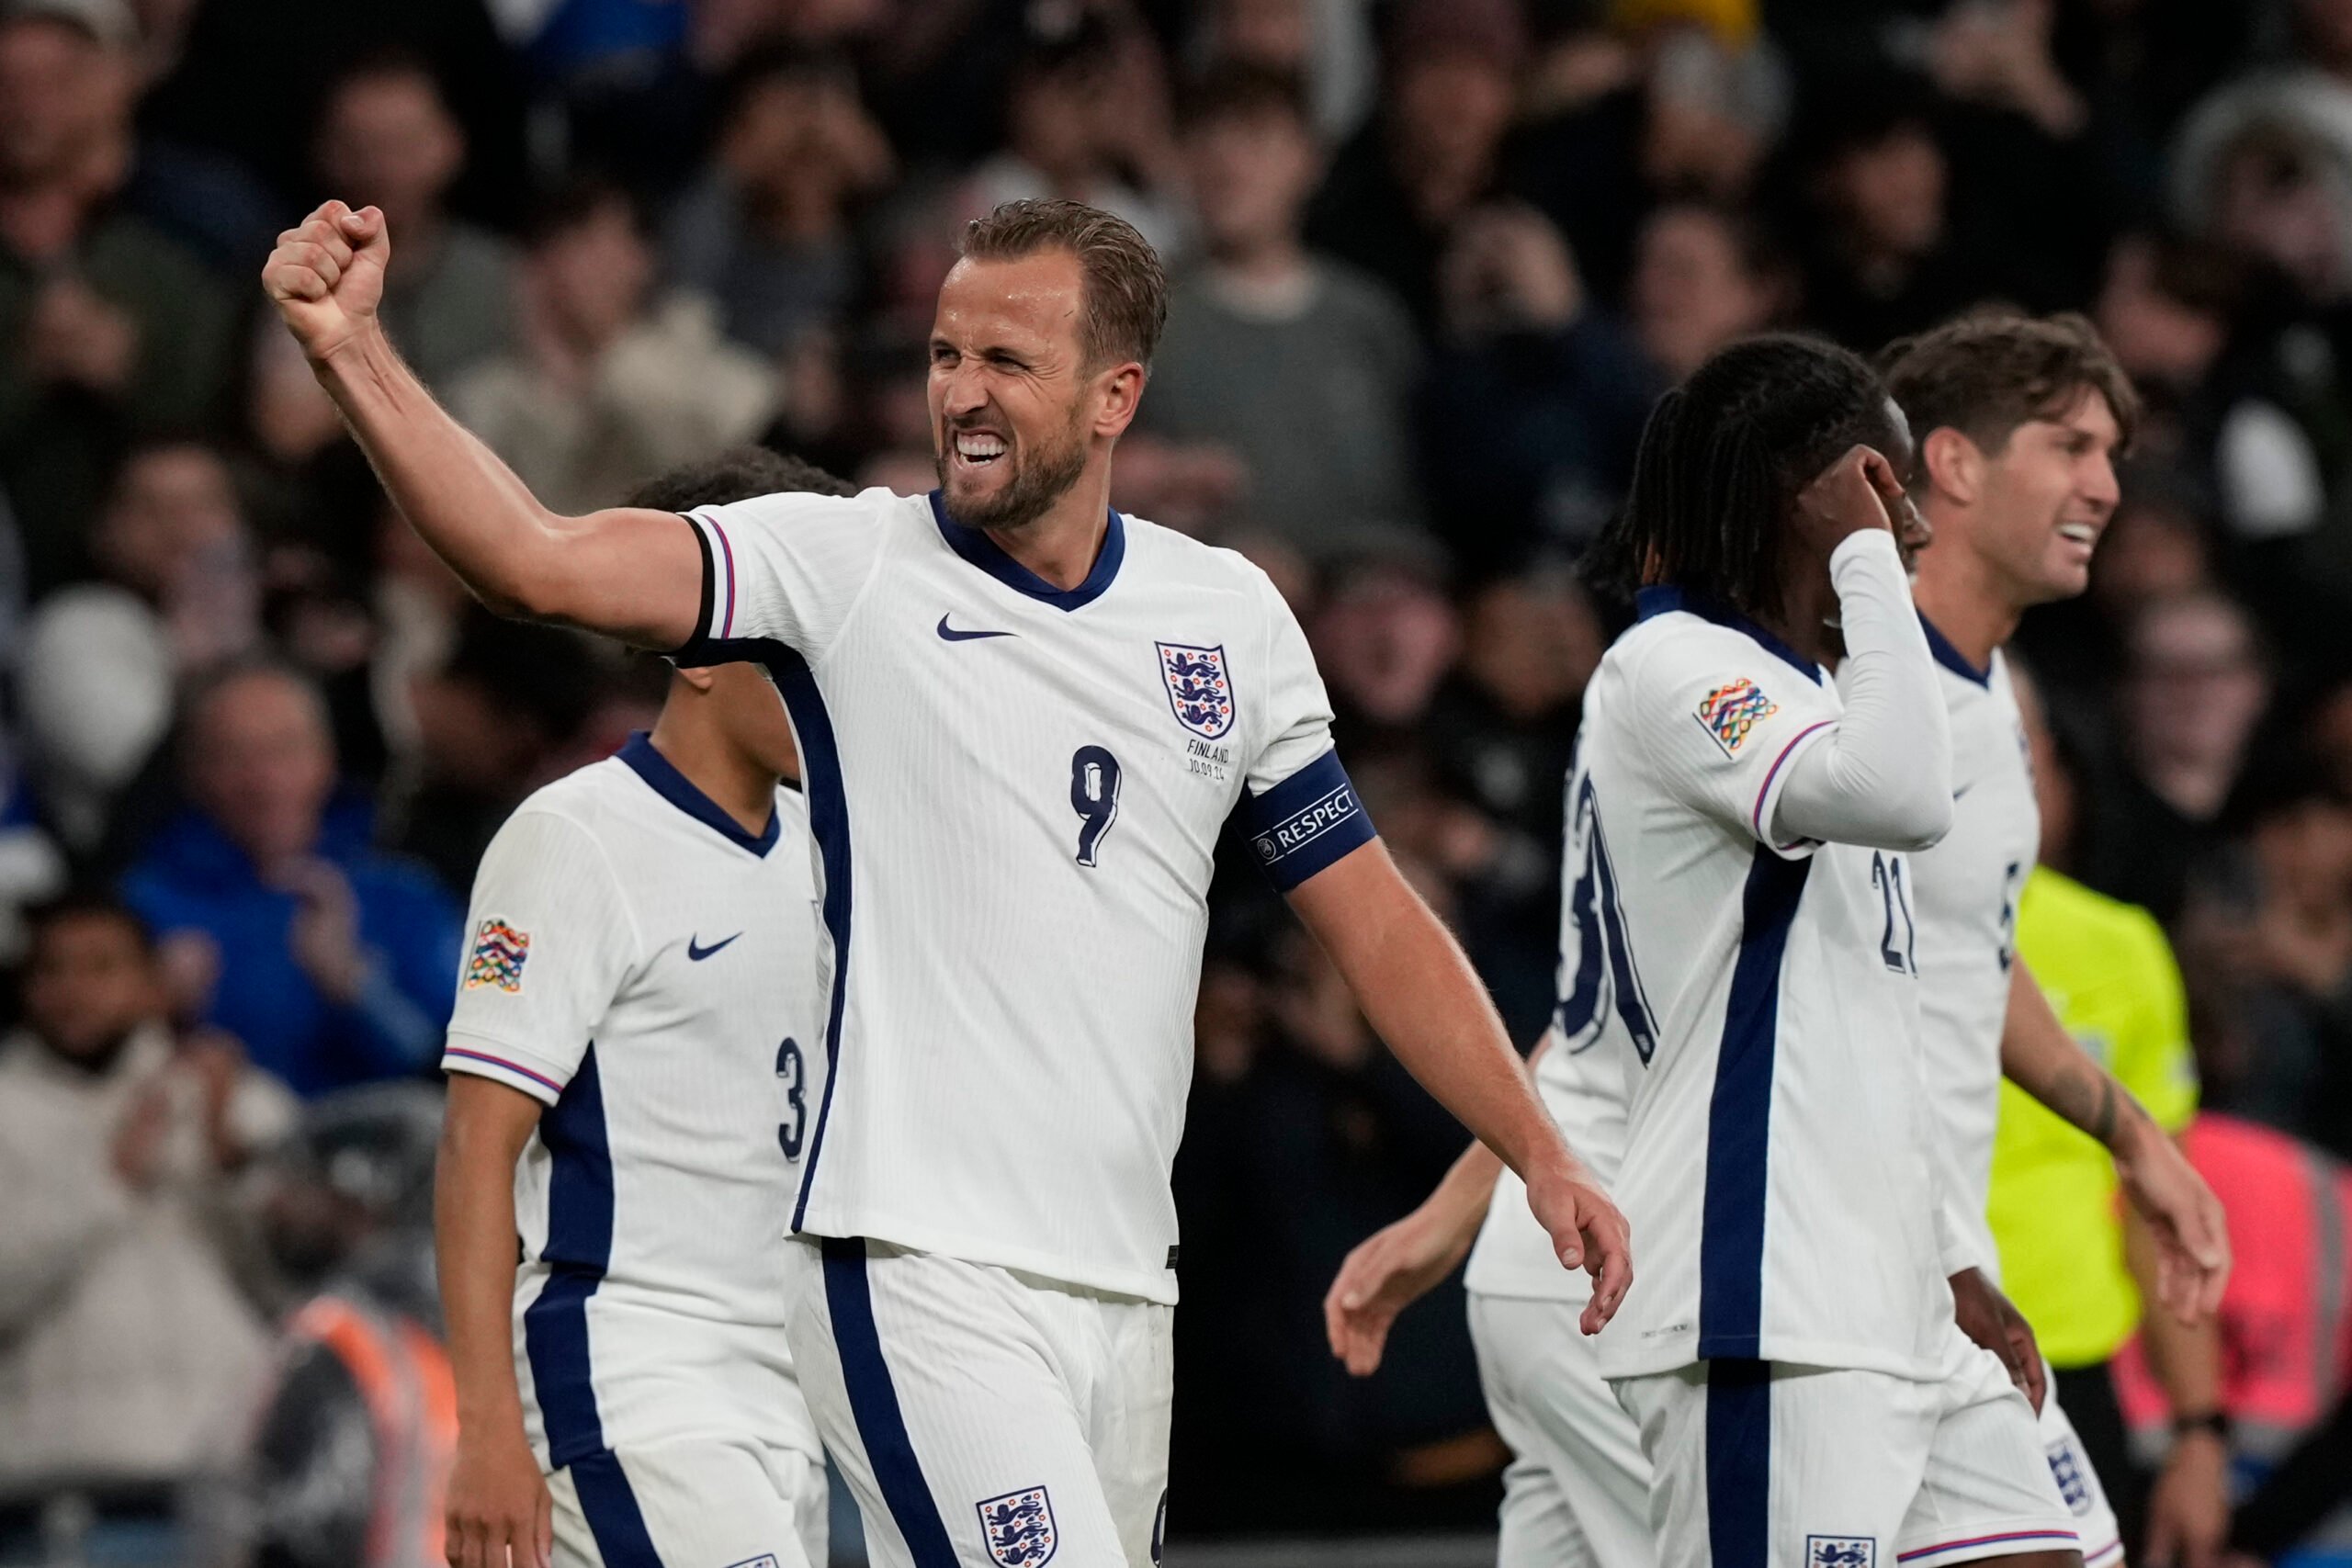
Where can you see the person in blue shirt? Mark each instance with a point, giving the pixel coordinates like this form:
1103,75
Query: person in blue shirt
330,961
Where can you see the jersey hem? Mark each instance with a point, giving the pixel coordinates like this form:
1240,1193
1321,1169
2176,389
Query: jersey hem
1156,1286
1683,1352
1516,1285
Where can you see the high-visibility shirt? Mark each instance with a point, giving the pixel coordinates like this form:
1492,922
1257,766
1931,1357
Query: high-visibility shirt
2109,975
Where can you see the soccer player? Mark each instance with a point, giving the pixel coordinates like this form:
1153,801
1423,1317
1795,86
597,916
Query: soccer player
1022,719
1738,944
2018,421
632,1077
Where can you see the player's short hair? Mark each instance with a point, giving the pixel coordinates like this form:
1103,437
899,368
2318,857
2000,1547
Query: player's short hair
1721,460
1127,288
1242,90
1989,371
737,474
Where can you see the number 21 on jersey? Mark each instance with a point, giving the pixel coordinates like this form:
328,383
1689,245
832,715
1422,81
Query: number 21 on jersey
1886,875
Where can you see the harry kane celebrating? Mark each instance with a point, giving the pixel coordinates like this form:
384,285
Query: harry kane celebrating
1022,719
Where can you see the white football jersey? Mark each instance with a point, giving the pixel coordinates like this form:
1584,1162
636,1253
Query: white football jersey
1776,1169
648,969
1966,899
1015,793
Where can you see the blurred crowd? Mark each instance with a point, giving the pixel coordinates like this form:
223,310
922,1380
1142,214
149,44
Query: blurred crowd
1433,260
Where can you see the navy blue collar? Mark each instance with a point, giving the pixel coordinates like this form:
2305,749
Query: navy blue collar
673,787
1666,597
975,546
1951,658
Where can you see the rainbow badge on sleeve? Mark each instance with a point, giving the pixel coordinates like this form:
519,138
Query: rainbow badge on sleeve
498,957
1730,711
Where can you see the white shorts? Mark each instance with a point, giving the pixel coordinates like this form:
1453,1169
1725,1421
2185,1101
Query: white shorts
1577,1492
984,1417
1765,1465
691,1505
2078,1485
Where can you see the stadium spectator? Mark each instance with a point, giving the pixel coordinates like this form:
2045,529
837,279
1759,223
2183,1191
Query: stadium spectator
387,138
103,660
2195,686
1395,192
1534,399
612,381
1075,128
112,328
1385,635
1328,48
2269,922
764,231
1301,366
127,1345
330,961
1703,276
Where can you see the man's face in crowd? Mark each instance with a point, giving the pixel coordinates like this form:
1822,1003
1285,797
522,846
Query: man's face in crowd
1251,175
1011,390
60,89
89,982
2046,498
262,765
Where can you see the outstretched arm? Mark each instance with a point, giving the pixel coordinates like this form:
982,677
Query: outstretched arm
1419,993
632,574
2184,1220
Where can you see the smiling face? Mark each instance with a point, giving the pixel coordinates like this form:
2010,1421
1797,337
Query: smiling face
1014,406
2045,498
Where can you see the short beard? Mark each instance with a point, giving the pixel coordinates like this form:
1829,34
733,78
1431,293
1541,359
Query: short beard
1038,483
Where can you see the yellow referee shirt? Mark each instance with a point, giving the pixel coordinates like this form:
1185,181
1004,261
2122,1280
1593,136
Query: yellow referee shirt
2109,974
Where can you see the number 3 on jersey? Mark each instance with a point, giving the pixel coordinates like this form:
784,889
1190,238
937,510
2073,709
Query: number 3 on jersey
1094,795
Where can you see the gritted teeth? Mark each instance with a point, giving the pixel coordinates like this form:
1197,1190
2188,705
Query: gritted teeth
978,446
2080,532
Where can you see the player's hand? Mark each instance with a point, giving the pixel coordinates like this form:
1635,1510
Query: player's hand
499,1508
2188,1507
327,275
1388,1271
1990,1318
1587,1233
1858,492
2191,1233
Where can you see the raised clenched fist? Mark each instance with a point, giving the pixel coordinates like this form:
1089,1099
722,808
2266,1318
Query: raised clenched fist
327,275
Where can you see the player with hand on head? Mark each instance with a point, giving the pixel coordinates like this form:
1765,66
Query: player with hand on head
1024,720
631,1086
2018,421
1755,1028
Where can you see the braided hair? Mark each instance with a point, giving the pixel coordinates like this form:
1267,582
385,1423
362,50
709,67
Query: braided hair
1722,458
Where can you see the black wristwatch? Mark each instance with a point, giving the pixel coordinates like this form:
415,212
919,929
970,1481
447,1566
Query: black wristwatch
2214,1421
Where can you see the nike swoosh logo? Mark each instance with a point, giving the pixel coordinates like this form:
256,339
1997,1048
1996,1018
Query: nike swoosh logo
950,633
696,953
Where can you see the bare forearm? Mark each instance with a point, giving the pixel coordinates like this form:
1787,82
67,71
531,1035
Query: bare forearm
2184,1357
1420,994
2042,1059
632,575
473,1216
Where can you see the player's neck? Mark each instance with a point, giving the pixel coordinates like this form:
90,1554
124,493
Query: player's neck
1808,615
1061,546
1962,598
735,782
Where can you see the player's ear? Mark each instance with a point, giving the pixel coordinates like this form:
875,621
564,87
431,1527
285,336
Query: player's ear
1953,465
1122,393
700,677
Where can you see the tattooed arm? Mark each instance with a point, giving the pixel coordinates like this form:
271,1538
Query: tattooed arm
2183,1218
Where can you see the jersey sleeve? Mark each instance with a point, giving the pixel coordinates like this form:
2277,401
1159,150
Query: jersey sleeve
1300,809
785,568
549,943
1721,724
2152,1058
